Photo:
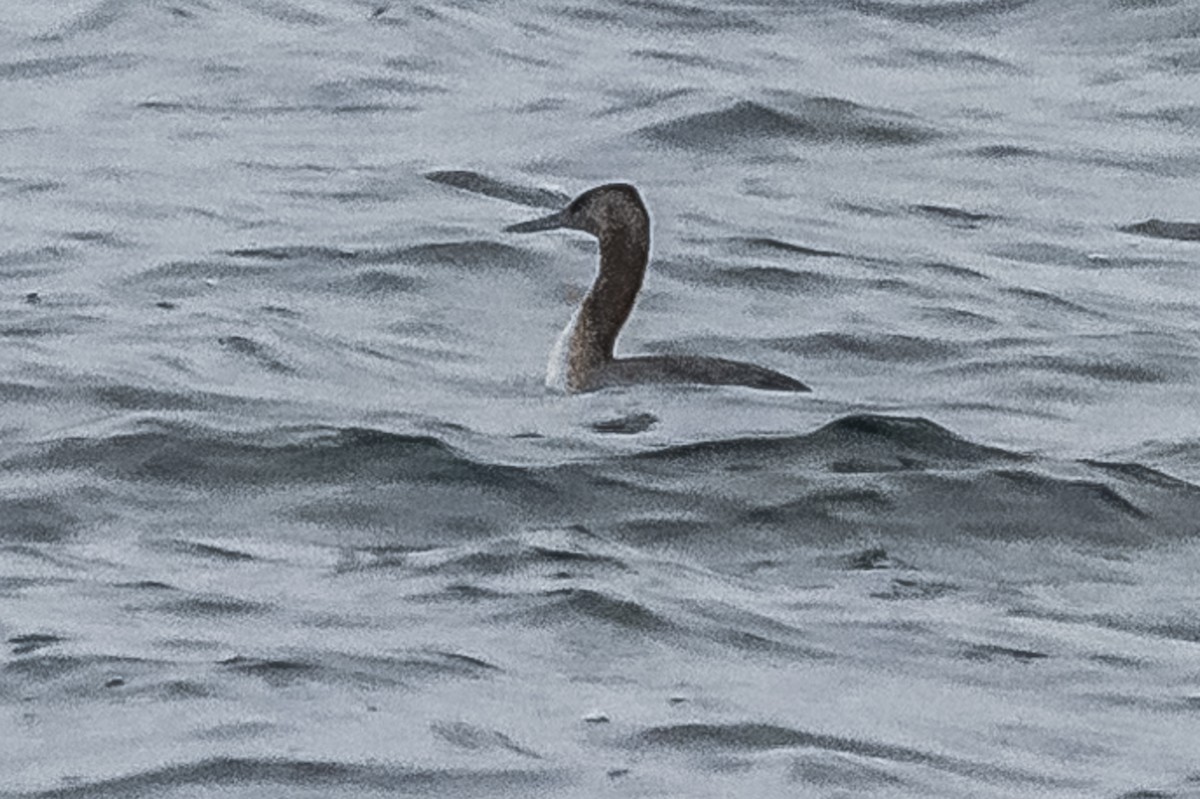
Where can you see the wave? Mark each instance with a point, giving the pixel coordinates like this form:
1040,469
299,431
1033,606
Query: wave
399,670
104,15
881,347
906,590
749,245
186,278
232,773
32,642
994,652
911,478
487,255
379,284
123,396
1047,300
60,66
690,625
36,519
328,102
256,352
47,326
471,254
1181,456
198,549
77,678
898,476
675,57
1004,152
889,442
1110,370
30,187
1137,473
182,454
20,261
637,99
1186,117
778,279
1158,229
36,668
99,238
963,60
1182,63
630,424
569,552
683,18
474,738
822,120
783,280
888,347
710,739
573,606
957,217
136,15
210,606
499,189
1180,628
951,12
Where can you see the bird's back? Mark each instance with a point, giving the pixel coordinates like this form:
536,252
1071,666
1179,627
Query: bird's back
692,369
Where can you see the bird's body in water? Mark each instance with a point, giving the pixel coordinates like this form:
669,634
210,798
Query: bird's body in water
584,358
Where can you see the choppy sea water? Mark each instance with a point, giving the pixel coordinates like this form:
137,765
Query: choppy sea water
285,509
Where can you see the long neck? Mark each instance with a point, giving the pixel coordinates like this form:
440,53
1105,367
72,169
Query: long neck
624,252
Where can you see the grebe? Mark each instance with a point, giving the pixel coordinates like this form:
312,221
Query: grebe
583,359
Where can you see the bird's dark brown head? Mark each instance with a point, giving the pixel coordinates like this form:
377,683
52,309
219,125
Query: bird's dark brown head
597,211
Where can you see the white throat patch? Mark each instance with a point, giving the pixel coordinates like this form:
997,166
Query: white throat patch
560,357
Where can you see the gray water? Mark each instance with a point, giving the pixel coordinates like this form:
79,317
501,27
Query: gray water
285,509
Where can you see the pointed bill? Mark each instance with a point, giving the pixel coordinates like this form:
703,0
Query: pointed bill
551,222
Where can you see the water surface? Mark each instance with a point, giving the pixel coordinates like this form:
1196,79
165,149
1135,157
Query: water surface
285,509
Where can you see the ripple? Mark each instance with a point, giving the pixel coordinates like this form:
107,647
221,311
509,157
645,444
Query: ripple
211,606
964,60
937,13
474,738
400,670
951,215
501,190
573,606
869,346
1158,229
379,283
256,352
59,66
36,520
306,776
1037,297
709,738
208,551
758,244
887,442
673,57
32,642
631,424
822,120
676,17
1005,152
994,652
